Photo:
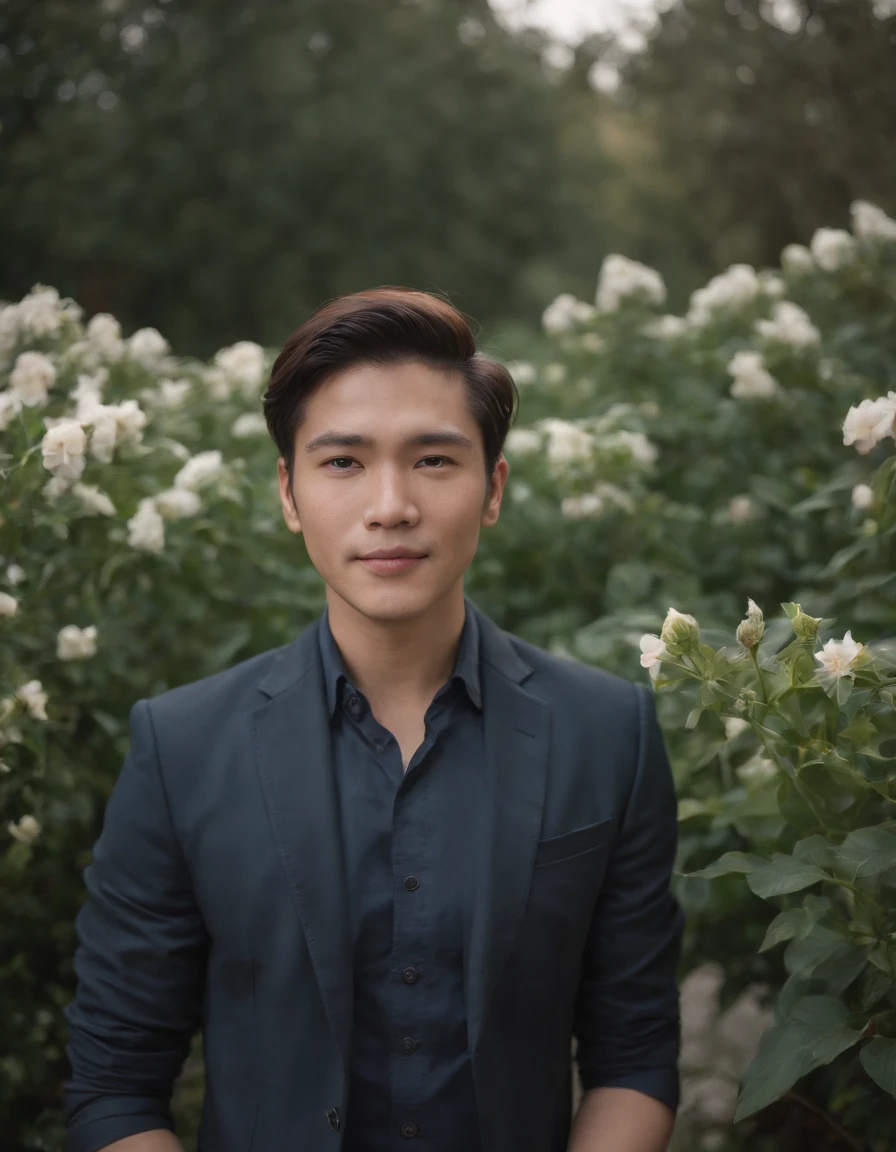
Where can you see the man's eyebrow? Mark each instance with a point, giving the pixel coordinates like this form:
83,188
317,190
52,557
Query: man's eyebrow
356,440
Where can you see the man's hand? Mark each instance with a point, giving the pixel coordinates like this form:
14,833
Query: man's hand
620,1120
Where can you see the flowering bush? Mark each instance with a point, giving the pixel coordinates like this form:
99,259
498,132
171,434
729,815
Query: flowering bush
698,460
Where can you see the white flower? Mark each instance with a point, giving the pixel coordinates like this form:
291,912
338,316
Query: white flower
74,643
832,248
94,502
584,507
871,222
148,347
838,656
54,488
146,528
249,424
751,378
104,335
666,327
771,283
734,725
757,769
15,574
640,448
112,425
63,448
797,259
592,342
564,313
9,329
200,470
176,503
87,395
32,378
522,372
522,441
34,698
243,364
862,496
566,442
10,406
866,424
652,648
738,286
789,325
621,278
25,831
742,509
42,313
9,606
679,627
172,393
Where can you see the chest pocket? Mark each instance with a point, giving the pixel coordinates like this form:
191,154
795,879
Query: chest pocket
590,837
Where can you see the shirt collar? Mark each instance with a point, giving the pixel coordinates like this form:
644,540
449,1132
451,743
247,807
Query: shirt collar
466,665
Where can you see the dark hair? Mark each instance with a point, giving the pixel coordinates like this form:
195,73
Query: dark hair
386,326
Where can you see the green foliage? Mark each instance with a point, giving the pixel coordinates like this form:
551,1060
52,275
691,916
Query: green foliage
637,481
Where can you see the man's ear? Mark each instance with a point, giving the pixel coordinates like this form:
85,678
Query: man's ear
287,498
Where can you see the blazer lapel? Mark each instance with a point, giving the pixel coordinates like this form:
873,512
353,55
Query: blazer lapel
294,760
517,734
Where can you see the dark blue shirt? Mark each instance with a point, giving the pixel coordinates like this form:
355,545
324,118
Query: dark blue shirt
411,875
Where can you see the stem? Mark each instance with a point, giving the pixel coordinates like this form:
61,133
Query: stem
755,660
837,1127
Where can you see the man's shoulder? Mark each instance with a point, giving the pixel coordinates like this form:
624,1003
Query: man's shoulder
223,692
565,679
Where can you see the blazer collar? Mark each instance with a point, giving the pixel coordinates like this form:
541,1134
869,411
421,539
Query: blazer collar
293,661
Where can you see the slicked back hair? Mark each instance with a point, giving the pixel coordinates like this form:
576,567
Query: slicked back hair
385,326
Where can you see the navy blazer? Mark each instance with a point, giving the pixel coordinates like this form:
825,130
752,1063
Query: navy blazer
216,900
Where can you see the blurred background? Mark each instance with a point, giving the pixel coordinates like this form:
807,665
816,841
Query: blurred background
215,168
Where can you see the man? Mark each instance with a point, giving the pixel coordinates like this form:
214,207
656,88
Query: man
392,868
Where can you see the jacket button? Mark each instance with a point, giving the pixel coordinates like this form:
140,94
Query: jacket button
333,1117
409,1044
409,975
408,1130
411,883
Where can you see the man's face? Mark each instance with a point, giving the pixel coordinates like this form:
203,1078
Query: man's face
378,484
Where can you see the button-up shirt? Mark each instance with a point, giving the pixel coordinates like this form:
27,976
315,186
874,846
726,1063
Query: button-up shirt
411,875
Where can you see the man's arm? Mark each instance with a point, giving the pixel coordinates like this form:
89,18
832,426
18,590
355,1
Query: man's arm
159,1141
627,1012
140,967
616,1119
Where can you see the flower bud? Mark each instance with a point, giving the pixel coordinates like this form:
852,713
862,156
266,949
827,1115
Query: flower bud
750,630
679,629
805,627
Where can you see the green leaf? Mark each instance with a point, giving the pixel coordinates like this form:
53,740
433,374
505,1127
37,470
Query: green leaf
879,1061
787,925
814,849
814,1034
867,852
730,862
783,874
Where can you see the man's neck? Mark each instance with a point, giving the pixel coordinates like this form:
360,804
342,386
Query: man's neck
398,661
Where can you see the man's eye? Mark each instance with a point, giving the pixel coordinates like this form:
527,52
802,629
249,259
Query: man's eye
336,461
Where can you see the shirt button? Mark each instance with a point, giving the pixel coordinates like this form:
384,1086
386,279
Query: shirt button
408,1130
409,975
409,1044
411,883
354,704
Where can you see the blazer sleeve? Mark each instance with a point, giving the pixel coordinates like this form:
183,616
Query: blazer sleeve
627,1019
140,963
